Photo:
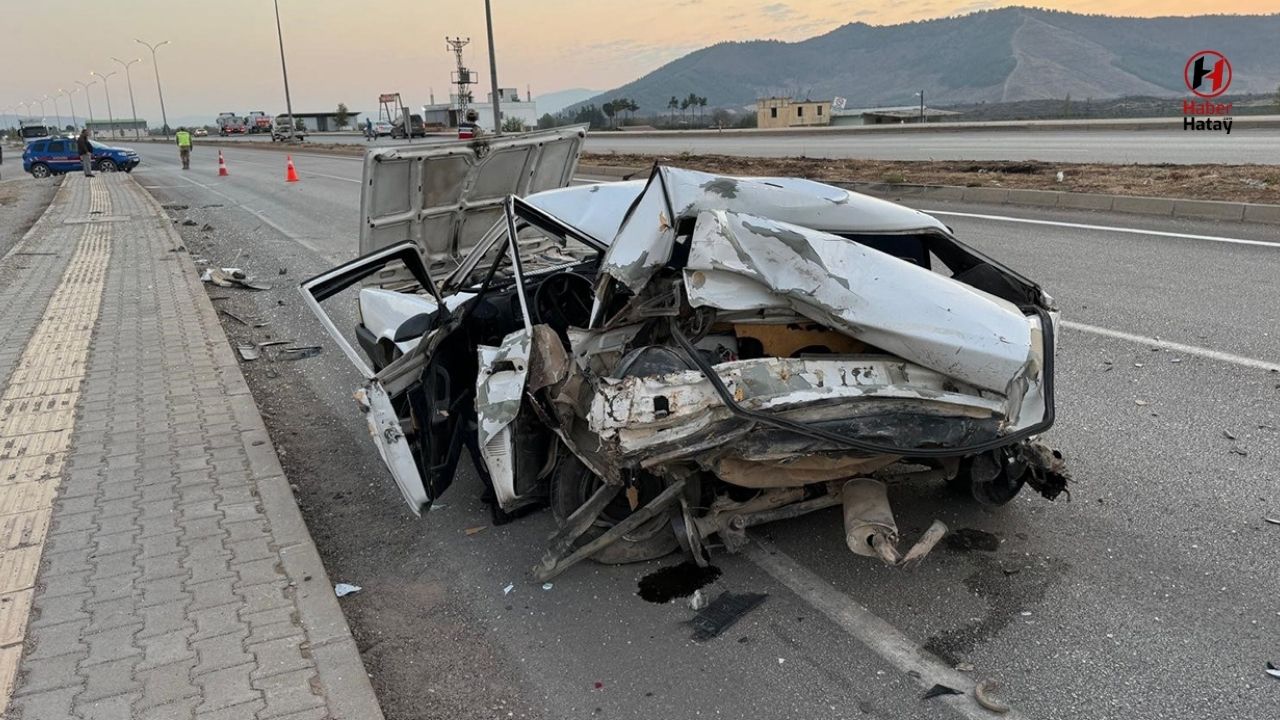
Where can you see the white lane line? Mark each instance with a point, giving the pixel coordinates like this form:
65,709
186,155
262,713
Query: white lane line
266,221
1179,347
1106,228
865,626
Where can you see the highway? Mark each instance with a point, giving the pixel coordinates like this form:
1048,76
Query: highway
1151,594
1254,145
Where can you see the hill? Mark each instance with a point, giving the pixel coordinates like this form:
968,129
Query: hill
1002,55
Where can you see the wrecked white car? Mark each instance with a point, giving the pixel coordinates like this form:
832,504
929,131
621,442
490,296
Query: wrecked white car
668,362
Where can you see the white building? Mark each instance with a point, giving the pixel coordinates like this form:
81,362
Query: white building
510,104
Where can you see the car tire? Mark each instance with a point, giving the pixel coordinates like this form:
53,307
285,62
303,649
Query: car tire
40,170
107,165
572,484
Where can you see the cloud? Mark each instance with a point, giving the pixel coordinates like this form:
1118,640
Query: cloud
779,11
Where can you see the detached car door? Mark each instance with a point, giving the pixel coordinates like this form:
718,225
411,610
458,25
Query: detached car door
423,209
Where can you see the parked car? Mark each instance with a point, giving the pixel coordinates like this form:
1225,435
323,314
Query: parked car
200,132
382,129
54,156
668,362
416,128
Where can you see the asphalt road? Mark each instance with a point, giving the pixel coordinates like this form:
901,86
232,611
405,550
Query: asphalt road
1150,595
1175,145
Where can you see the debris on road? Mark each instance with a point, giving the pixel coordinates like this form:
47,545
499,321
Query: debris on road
982,693
1272,670
252,351
938,690
964,667
722,613
189,223
234,316
299,352
507,590
966,539
474,530
1227,434
231,277
345,589
547,586
698,600
206,228
1273,521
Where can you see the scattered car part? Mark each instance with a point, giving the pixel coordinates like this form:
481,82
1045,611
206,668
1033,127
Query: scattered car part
722,613
345,589
938,690
982,693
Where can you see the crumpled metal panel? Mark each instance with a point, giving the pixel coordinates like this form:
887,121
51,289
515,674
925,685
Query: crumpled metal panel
892,304
445,196
499,390
645,240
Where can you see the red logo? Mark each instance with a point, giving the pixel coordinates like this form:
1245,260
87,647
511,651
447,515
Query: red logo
1207,73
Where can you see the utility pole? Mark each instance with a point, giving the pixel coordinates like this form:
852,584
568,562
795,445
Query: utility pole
132,108
57,111
72,102
493,71
288,104
155,66
921,94
88,98
106,88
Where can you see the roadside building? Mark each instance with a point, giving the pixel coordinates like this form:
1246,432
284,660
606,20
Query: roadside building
118,128
510,105
784,112
323,121
889,115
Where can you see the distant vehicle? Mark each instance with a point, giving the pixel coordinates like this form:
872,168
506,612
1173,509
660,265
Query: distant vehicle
201,132
281,131
259,122
382,129
35,130
416,128
232,124
54,156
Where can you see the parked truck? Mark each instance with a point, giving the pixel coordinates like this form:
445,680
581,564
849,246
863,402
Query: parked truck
259,122
230,123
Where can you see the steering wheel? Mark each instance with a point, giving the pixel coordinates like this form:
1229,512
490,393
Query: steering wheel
563,301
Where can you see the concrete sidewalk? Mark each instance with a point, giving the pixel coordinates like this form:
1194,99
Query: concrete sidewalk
154,563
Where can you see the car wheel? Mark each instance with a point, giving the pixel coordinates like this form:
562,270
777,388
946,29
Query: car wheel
40,170
572,484
107,165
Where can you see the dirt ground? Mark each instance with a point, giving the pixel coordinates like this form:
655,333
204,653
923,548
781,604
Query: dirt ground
1236,183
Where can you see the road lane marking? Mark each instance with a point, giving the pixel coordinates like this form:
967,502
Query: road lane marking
1179,347
1107,228
37,417
868,628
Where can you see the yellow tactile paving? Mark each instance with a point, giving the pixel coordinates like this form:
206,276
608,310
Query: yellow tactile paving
37,415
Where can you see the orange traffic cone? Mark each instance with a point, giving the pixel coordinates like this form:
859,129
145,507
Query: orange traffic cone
290,175
222,166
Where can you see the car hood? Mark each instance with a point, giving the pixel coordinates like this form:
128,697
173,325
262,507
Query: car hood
444,196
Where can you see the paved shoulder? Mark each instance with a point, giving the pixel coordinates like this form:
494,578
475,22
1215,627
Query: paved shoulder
153,562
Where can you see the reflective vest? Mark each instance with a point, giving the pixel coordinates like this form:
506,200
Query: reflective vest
184,139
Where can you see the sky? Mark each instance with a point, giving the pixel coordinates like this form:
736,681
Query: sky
223,54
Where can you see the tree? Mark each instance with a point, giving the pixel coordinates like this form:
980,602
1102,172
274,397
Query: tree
547,121
702,102
513,125
343,115
692,100
609,111
672,105
684,108
1066,106
1278,97
721,117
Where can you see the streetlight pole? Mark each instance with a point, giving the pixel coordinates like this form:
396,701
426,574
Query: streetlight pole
132,108
72,102
57,111
26,109
921,94
43,112
288,104
106,88
88,98
493,71
155,66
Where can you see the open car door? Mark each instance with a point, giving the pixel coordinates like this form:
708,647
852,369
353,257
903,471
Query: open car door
423,208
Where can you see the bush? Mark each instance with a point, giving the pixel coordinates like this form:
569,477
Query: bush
513,125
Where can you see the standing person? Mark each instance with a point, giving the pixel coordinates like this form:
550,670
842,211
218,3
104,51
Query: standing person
85,150
184,147
368,129
469,128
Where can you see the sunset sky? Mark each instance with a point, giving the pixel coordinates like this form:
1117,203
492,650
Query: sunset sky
223,53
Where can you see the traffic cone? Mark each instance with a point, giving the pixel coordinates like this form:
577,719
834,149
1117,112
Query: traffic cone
290,175
222,166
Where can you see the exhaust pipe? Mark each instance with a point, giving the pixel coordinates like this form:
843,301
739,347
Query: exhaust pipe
869,529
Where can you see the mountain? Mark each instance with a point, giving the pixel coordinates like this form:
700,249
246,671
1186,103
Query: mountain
554,102
1001,55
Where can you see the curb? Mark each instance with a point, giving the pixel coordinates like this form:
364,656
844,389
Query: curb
348,691
1130,204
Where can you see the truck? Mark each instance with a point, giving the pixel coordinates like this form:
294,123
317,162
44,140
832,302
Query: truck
230,123
259,122
281,132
